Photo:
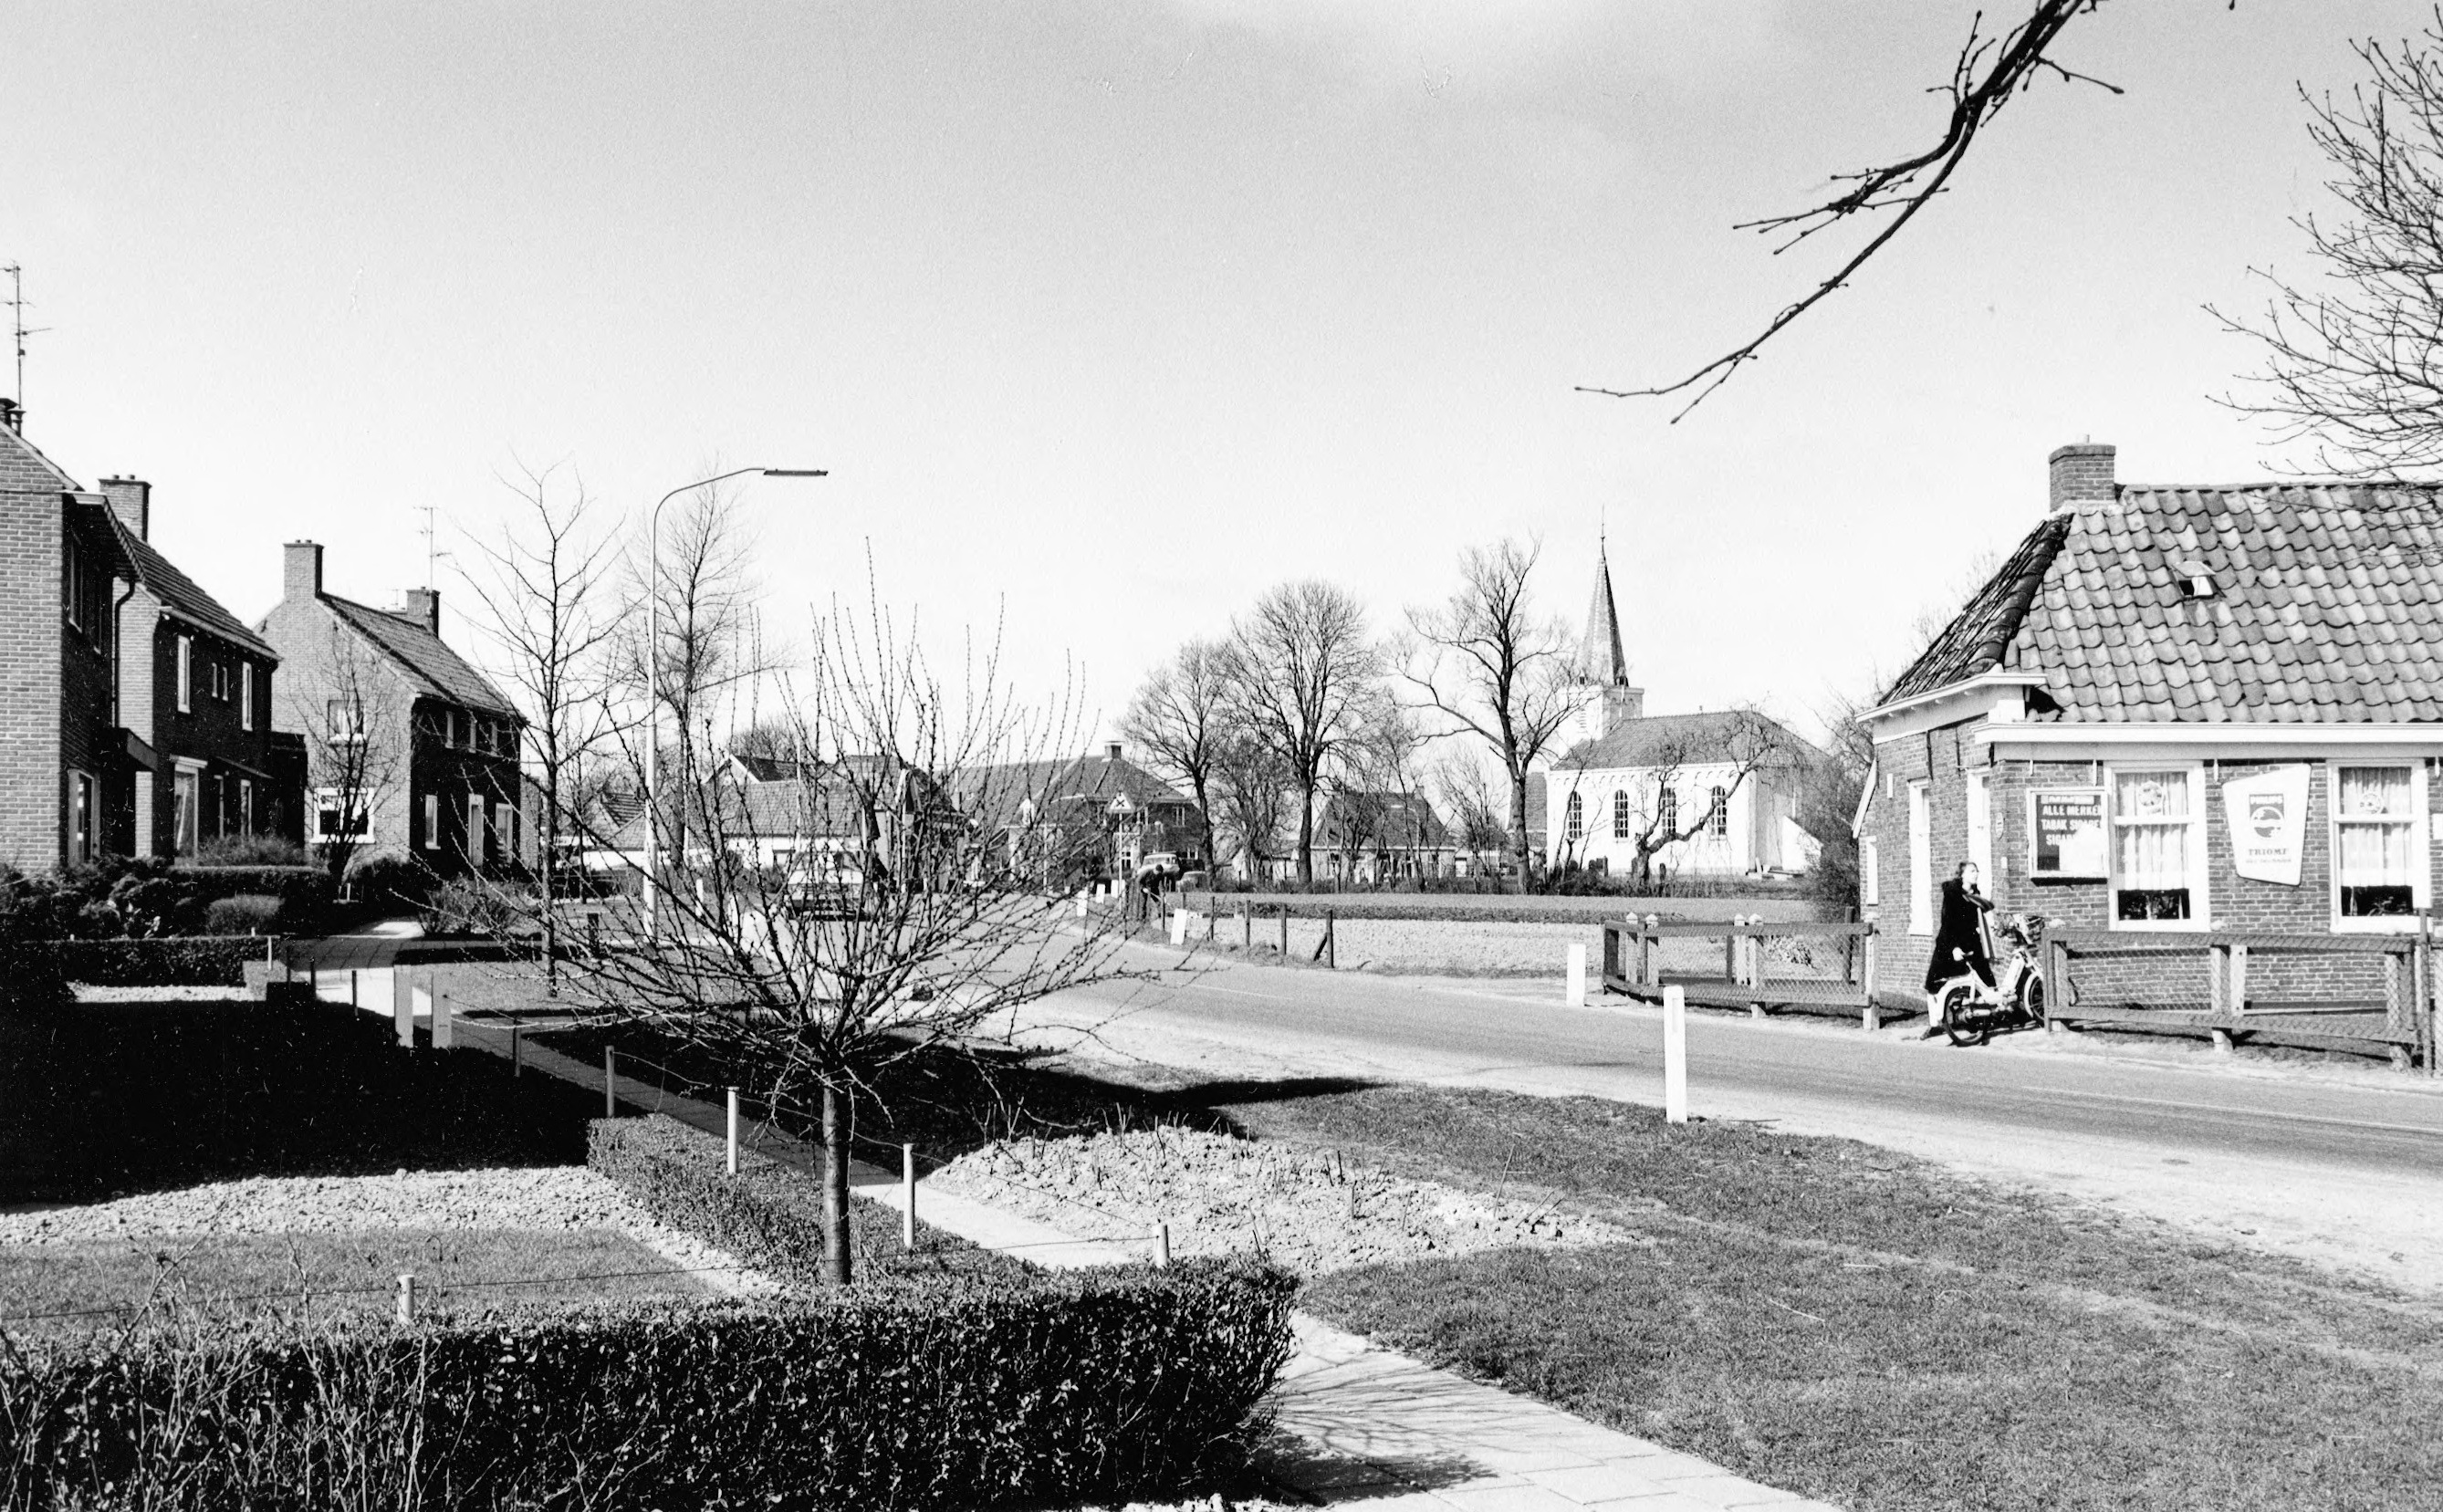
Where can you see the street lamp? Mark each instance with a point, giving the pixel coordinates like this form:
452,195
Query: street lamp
654,677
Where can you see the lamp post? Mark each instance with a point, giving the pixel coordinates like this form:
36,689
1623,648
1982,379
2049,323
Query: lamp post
653,676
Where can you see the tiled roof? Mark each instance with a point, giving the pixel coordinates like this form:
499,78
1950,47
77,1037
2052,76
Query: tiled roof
177,591
436,671
1723,734
1397,818
994,793
2324,604
1976,641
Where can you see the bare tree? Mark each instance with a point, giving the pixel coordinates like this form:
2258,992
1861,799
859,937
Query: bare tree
1476,813
1488,664
354,721
2355,363
1988,74
1301,669
541,589
881,906
1180,718
1664,810
1376,783
1252,788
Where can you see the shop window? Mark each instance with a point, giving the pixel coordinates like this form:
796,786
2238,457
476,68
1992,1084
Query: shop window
1624,822
2158,850
2379,842
1921,843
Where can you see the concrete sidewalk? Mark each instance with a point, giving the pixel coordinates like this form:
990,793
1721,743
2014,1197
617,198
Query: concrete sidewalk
1371,1429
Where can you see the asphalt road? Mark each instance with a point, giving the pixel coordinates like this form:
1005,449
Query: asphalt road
2339,1163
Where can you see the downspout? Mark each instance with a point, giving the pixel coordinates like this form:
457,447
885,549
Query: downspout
115,717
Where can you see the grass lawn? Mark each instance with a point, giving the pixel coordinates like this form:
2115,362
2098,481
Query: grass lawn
1850,1323
324,1274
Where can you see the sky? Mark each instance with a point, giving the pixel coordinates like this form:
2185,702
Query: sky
1107,317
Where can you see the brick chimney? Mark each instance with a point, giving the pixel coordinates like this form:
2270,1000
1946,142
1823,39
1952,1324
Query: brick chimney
301,570
2082,474
425,604
131,499
1112,750
12,417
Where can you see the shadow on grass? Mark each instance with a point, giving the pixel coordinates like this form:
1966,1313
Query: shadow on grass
100,1100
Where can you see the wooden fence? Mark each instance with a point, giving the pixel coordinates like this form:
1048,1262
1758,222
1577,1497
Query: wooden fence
1749,977
2102,976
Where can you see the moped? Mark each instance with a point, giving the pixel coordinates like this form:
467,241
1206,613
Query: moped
1970,1011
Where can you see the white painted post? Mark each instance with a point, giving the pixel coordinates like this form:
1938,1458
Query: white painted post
443,1036
403,1004
1081,902
1674,1055
732,1161
1178,926
1577,974
406,1297
908,1190
1162,1245
609,1082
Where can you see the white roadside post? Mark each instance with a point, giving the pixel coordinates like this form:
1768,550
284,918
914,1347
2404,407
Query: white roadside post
1578,974
907,1192
733,1132
406,1297
1178,926
1674,1055
402,1006
1162,1245
444,1037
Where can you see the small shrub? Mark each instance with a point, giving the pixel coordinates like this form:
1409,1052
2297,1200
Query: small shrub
1089,1385
470,906
241,913
248,850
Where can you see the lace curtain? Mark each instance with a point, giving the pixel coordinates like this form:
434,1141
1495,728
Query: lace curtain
2150,814
2373,808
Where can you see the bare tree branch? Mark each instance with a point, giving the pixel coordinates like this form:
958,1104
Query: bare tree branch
1987,74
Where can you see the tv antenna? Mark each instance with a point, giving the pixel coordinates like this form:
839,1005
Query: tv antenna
431,556
19,330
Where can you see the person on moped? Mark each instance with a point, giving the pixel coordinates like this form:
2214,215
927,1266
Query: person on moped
1960,936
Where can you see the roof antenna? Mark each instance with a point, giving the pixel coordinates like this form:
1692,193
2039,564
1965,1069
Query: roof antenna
19,330
430,554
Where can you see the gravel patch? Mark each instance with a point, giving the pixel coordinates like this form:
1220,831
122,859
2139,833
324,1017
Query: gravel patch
1306,1208
85,992
551,1197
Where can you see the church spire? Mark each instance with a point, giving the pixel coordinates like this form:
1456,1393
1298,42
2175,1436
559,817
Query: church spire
1601,660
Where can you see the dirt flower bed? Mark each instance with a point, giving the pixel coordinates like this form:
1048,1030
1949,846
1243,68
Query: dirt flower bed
1308,1208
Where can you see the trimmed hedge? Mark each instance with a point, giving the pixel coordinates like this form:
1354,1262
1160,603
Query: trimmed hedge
192,960
769,1215
118,896
966,1394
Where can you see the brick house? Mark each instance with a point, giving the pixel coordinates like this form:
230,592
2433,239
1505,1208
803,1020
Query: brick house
1109,814
403,737
2176,710
136,719
1377,837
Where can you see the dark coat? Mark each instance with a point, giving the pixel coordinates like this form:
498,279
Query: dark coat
1962,928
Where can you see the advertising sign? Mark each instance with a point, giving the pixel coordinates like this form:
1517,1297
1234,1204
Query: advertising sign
2066,832
2268,815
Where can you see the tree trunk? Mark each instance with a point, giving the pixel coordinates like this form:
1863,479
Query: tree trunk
836,1255
1306,836
1518,846
548,878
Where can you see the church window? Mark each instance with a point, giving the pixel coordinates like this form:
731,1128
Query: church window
1624,824
1717,819
1574,829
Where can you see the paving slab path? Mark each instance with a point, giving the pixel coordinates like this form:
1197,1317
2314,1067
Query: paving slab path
1371,1429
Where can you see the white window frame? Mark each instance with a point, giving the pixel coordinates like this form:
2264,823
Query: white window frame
1871,873
72,582
1623,815
245,806
1573,820
432,821
186,674
1718,812
2421,868
1980,823
2200,917
245,695
186,809
475,849
1921,845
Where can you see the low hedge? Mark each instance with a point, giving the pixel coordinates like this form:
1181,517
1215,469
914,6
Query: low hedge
973,1393
770,1215
192,960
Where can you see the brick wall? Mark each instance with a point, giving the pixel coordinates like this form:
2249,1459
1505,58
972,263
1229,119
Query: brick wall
208,729
2233,902
32,514
84,697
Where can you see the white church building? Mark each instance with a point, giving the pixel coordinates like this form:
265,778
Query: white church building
1711,794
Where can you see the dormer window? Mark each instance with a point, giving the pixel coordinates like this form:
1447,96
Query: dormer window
2195,579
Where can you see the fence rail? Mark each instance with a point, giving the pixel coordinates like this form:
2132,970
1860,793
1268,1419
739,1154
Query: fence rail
1633,964
2392,1008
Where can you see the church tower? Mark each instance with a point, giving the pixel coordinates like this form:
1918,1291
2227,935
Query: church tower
1605,699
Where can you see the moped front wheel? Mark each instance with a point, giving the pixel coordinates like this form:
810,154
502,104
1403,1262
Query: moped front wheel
1960,1019
2031,1001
